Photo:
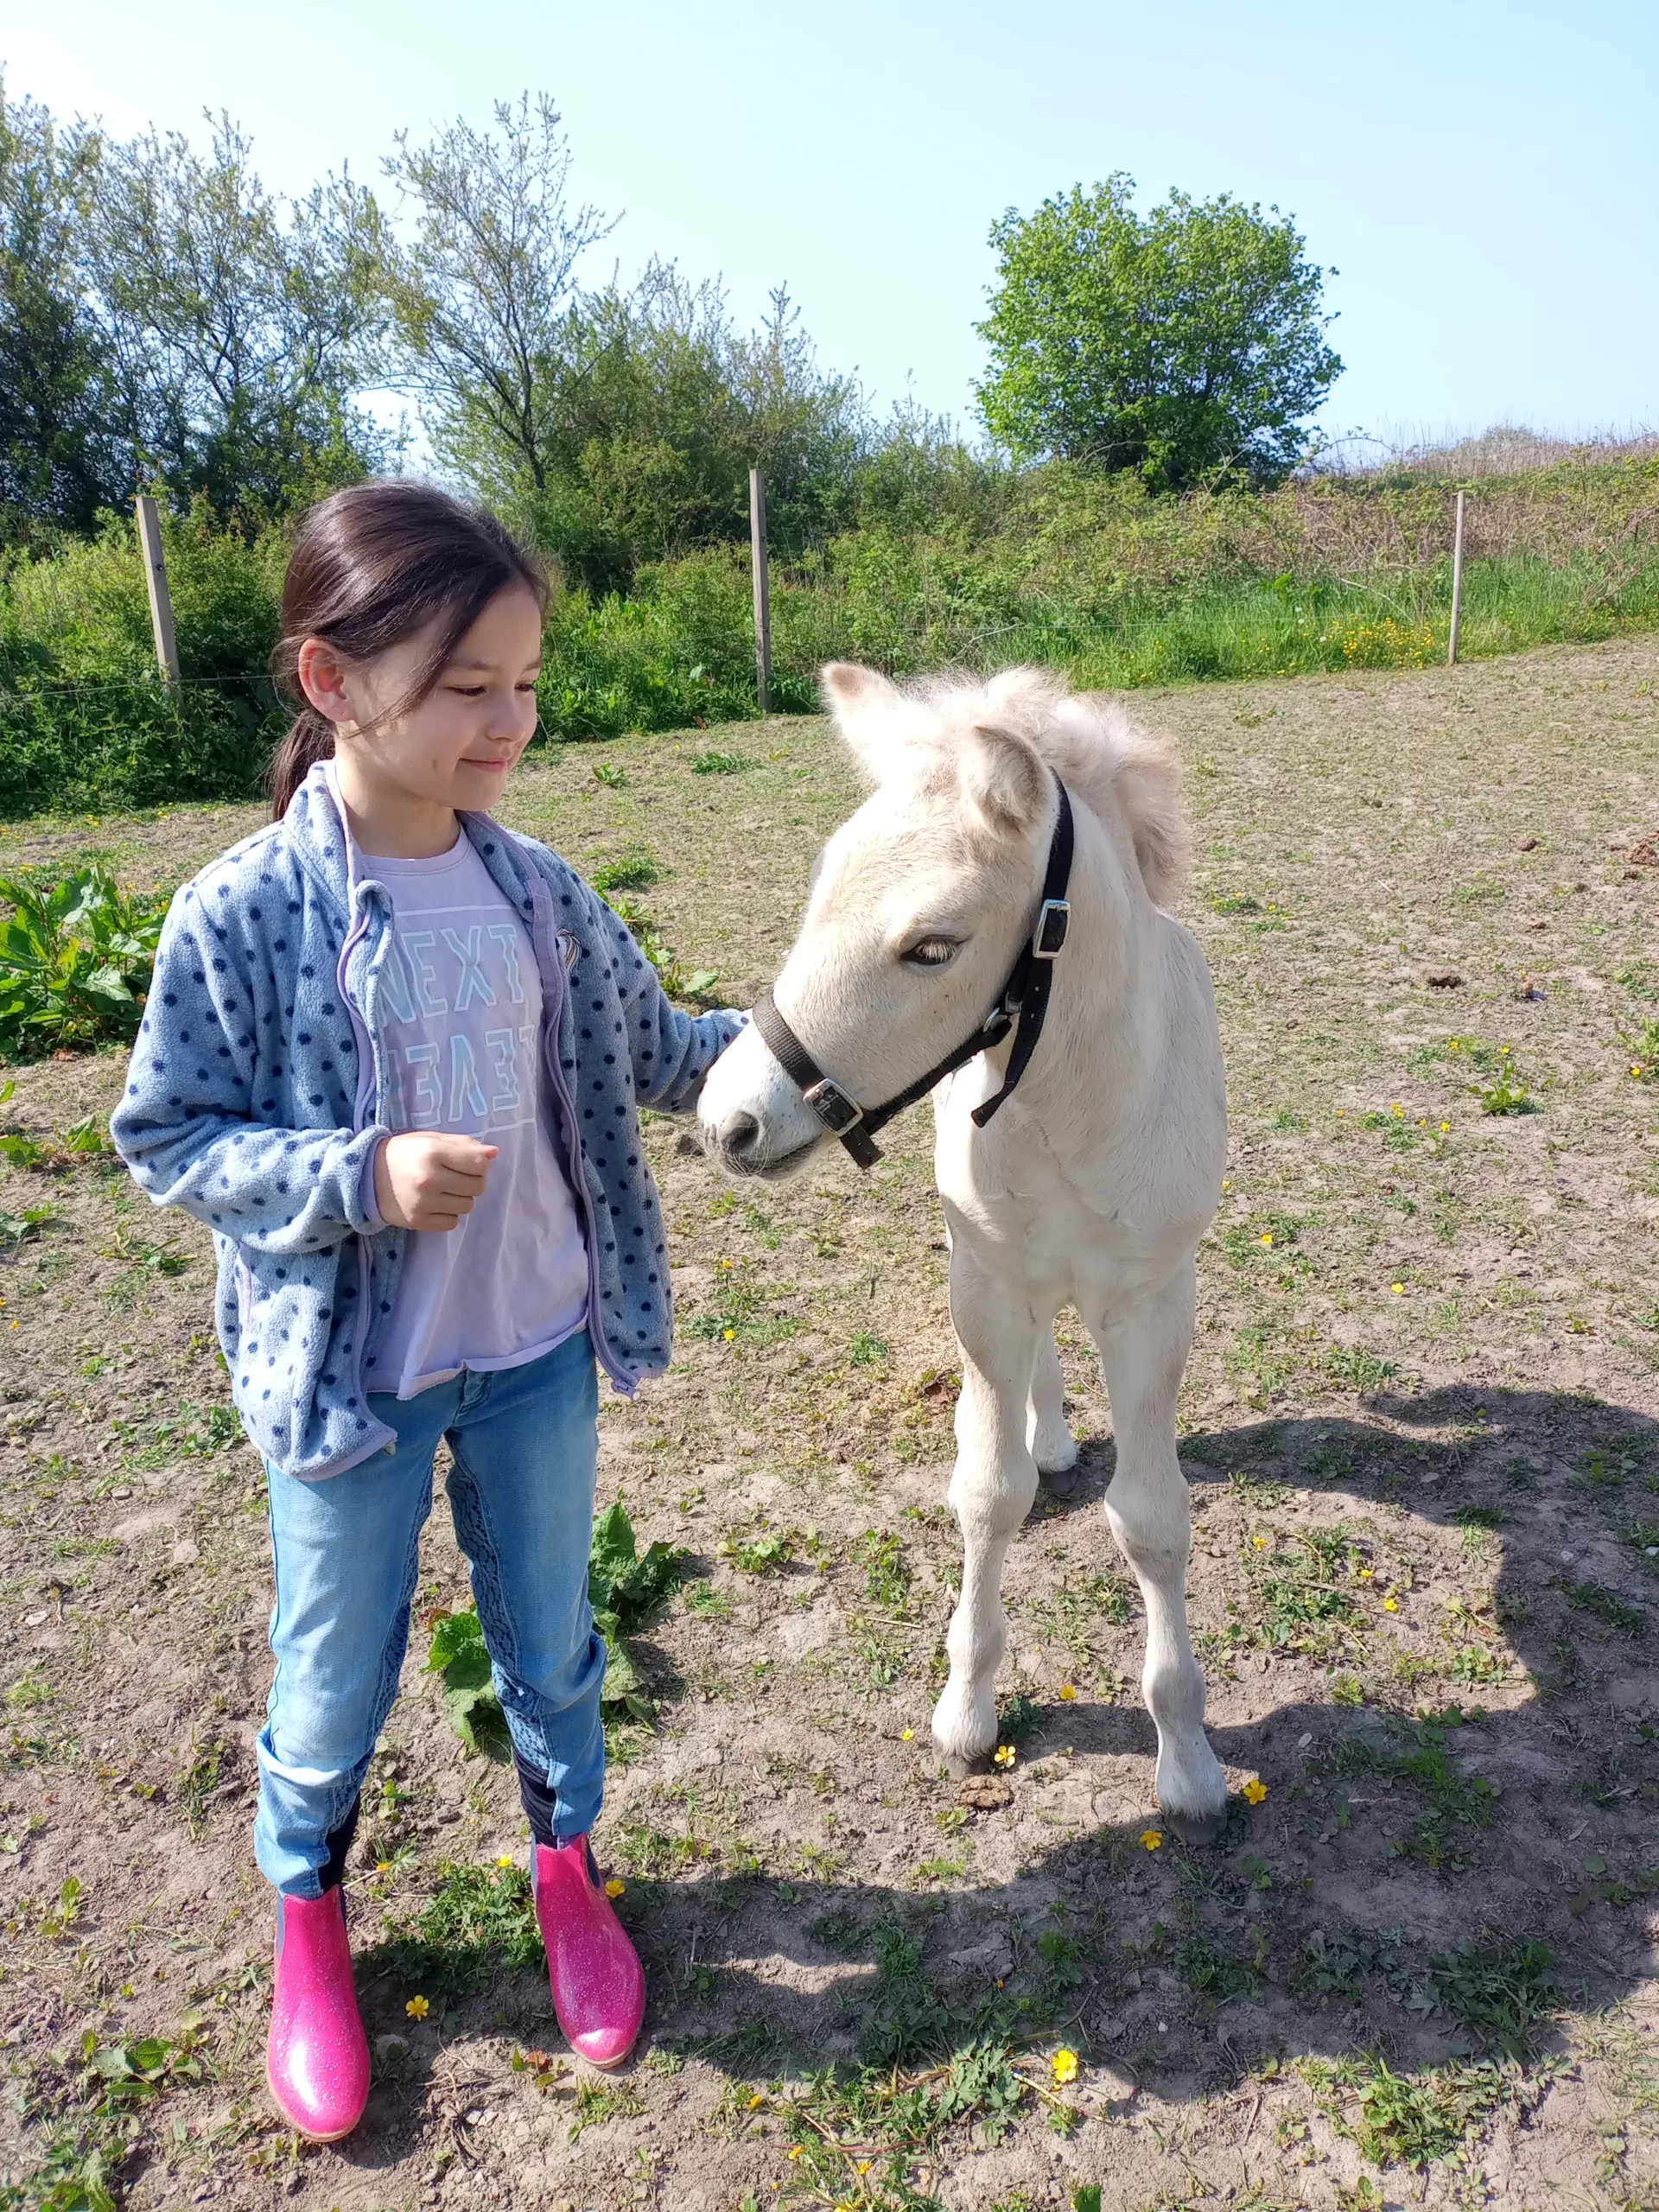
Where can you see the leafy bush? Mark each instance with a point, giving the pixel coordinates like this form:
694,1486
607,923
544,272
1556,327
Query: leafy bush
76,959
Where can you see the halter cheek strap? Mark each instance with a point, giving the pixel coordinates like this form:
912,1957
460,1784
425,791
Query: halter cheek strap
1022,1004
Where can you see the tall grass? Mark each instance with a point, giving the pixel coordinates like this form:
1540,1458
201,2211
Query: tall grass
1090,575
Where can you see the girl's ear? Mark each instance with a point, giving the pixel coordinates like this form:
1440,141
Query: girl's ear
859,698
320,674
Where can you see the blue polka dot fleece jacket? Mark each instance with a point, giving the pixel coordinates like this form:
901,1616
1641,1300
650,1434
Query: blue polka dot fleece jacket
253,1098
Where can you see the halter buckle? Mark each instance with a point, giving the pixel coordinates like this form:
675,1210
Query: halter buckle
1052,922
833,1107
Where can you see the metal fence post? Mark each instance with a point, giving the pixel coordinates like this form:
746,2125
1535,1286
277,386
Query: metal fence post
1457,585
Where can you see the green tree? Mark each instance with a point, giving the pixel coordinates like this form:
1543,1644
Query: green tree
1187,346
616,425
60,457
239,330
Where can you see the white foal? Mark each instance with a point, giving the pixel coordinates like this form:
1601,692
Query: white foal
1096,1179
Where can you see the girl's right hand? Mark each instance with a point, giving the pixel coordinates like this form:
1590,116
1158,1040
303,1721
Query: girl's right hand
428,1182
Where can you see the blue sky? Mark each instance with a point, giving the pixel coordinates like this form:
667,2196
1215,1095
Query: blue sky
1485,176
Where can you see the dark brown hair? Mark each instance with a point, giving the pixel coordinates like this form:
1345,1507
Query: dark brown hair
371,566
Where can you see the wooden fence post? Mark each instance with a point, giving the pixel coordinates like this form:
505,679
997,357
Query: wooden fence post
762,588
1457,585
161,600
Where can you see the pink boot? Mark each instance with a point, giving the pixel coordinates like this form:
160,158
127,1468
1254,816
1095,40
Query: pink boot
598,1985
317,2059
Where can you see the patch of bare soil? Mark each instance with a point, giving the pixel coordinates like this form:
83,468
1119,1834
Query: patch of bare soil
1422,1430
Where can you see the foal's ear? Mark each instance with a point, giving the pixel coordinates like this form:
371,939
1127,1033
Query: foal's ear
857,698
1003,779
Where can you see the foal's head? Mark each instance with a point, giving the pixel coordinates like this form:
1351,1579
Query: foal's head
920,902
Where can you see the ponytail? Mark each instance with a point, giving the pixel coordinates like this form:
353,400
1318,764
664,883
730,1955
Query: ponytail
373,566
310,737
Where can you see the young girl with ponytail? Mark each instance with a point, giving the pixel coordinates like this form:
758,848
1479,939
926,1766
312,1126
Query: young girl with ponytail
392,1055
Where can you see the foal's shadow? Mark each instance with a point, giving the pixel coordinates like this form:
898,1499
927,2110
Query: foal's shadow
1382,1899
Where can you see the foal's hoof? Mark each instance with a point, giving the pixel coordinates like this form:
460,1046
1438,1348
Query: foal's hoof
1196,1828
959,1768
1059,1482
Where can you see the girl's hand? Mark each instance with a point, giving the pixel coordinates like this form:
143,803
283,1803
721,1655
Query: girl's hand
428,1182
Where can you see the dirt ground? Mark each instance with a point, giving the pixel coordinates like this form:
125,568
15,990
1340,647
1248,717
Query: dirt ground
1421,1425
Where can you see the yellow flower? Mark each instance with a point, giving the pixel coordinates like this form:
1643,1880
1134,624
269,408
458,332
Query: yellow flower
418,2008
615,1888
863,2165
383,1866
1261,1542
1152,1839
906,1735
1444,1128
505,1860
1068,1693
794,2149
1005,1755
1065,2065
1266,1237
1254,1790
1367,1573
1401,1112
1398,1289
1226,1182
728,1334
724,1263
1390,1604
1502,1050
757,2100
1341,1110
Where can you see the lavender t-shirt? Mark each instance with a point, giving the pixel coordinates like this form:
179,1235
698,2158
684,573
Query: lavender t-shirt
461,1003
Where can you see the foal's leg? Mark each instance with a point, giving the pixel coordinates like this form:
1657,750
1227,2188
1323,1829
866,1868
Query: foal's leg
1142,1353
1052,1443
991,1491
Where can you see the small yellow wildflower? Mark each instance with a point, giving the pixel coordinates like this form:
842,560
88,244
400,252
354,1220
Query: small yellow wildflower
728,1334
906,1735
615,1888
1254,1790
1390,1604
1341,1110
418,2008
863,2165
1152,1839
1261,1542
757,2100
724,1263
1503,1050
1400,1112
1065,2065
1398,1289
1226,1182
1005,1755
1266,1237
794,2149
505,1860
1367,1573
1446,1128
1068,1693
382,1865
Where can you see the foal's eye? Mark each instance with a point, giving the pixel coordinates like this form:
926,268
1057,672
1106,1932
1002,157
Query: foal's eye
931,952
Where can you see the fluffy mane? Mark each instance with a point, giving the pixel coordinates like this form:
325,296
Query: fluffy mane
1102,755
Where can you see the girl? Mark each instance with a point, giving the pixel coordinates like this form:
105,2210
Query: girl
392,1054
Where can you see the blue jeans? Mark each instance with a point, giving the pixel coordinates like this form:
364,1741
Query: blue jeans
525,1446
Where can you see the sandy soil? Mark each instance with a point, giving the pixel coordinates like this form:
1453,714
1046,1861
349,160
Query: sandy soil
1421,1425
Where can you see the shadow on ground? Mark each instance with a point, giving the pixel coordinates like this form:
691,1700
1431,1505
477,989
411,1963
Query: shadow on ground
1433,1880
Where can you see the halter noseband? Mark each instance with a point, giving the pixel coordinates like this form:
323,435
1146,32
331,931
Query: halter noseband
1022,1002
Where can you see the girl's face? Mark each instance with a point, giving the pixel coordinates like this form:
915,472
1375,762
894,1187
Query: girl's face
452,750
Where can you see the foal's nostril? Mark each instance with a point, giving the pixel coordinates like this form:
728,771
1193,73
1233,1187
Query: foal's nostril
740,1136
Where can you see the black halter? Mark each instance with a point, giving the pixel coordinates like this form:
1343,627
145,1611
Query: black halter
1023,1000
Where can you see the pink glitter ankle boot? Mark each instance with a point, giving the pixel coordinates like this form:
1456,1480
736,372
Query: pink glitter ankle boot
599,1986
317,2059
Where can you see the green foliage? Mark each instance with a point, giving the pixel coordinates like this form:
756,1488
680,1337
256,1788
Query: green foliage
461,1656
478,1924
634,871
1413,2120
625,1587
76,957
887,1573
1186,345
